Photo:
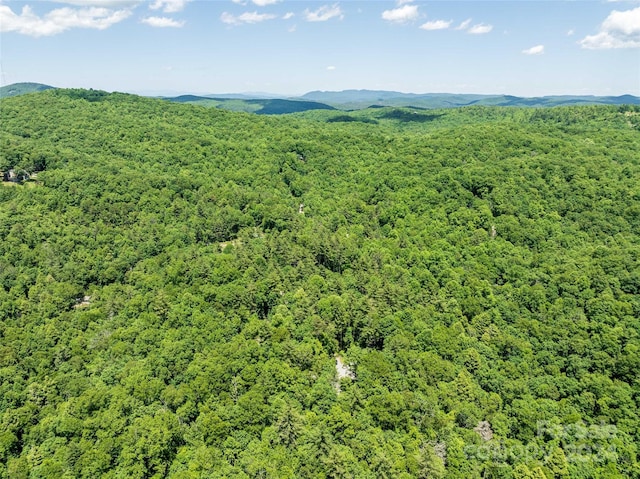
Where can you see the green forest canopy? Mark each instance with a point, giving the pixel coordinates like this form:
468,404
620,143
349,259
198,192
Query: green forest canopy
169,309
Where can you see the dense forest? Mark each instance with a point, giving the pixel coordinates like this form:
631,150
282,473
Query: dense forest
187,292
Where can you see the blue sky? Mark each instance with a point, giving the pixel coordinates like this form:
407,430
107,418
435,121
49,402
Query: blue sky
525,48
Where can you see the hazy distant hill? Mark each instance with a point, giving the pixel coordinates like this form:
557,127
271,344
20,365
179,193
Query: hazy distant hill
356,99
260,106
21,88
347,96
247,96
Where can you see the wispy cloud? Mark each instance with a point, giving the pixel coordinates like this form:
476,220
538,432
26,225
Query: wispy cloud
59,20
537,50
288,15
168,6
101,3
480,29
324,13
464,25
259,3
247,17
401,14
436,25
163,22
621,29
570,32
331,68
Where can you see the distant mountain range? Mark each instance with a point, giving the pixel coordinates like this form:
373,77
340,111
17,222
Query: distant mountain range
357,99
264,103
361,99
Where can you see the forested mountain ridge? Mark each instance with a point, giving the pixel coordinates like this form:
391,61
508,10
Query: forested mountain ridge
17,89
260,106
177,281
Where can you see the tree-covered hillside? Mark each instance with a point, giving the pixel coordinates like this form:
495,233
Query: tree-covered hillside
261,106
17,89
178,286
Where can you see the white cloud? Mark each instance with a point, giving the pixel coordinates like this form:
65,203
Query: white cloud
402,2
627,22
168,6
401,14
101,3
570,32
331,68
288,15
619,30
324,13
537,50
436,25
264,3
59,20
247,17
605,41
162,22
464,25
480,28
